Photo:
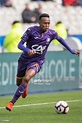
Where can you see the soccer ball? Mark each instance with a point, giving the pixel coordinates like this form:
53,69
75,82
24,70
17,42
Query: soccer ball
62,107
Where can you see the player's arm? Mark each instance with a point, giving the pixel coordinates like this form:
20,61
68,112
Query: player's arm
62,41
25,49
22,47
24,39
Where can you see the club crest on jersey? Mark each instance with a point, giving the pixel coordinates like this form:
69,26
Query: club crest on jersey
48,40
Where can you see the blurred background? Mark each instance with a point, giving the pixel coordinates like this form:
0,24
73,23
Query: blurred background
69,12
66,18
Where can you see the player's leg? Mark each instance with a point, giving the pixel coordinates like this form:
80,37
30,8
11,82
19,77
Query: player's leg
29,74
26,91
35,66
18,82
20,74
21,88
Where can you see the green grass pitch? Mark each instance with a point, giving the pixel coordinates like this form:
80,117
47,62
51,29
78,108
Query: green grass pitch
40,108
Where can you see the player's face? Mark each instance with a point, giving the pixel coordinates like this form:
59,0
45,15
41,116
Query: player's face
44,24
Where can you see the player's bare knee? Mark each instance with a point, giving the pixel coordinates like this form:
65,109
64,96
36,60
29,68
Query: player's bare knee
26,79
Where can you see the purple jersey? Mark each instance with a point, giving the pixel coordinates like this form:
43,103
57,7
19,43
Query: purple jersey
34,40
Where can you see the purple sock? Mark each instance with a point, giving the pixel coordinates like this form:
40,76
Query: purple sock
19,92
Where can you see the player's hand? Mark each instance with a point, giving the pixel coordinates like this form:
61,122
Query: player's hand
77,53
31,52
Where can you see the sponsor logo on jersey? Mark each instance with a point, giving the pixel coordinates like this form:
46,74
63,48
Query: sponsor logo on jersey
39,48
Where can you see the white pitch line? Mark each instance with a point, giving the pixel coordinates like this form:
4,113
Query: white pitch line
4,120
46,103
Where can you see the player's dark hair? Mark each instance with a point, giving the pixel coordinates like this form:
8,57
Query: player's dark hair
43,15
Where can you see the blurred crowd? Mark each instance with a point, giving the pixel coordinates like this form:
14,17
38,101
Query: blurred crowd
72,2
8,3
29,15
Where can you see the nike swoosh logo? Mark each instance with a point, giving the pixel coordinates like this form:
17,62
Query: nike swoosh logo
21,92
35,37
